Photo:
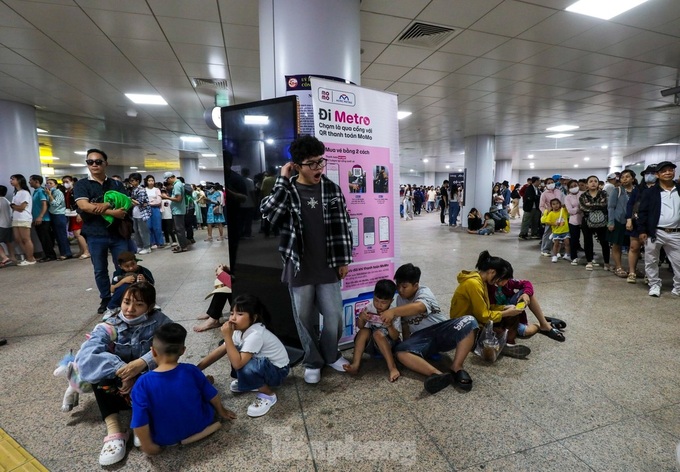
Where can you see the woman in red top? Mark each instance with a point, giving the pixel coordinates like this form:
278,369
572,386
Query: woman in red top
75,222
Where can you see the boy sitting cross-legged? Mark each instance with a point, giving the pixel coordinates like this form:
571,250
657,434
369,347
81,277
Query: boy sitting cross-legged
427,332
174,403
374,332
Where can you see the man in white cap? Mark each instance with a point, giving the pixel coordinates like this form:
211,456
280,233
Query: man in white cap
179,208
612,183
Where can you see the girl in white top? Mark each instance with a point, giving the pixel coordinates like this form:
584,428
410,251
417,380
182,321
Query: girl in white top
22,205
258,358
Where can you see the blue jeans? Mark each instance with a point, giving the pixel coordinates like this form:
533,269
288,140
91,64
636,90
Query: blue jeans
308,301
156,227
454,209
59,227
442,337
257,372
99,247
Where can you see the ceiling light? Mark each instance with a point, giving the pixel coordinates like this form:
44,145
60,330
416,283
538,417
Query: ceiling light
462,153
47,170
586,158
201,167
191,139
559,135
604,147
81,153
77,165
460,170
426,160
40,130
141,170
403,114
410,170
604,9
269,141
49,158
134,167
256,119
530,156
575,165
142,99
448,167
209,155
561,128
668,144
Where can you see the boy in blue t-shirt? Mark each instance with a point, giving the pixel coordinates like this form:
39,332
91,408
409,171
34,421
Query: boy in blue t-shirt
174,403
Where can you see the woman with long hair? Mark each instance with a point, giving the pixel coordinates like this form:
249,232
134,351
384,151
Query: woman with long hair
22,218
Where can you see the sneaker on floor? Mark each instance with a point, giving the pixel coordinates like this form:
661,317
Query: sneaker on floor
589,266
655,291
233,386
312,376
546,254
102,306
155,246
675,293
26,263
554,258
567,257
144,251
437,382
574,261
337,365
261,405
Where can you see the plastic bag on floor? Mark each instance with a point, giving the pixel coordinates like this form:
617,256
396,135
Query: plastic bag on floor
489,343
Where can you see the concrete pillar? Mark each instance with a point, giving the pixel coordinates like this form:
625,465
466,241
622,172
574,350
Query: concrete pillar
300,37
19,152
188,166
503,171
479,157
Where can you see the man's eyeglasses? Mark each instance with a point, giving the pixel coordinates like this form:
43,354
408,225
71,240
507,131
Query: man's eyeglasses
91,162
315,165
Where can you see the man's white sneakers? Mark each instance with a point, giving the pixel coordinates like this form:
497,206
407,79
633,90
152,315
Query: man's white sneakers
337,365
312,376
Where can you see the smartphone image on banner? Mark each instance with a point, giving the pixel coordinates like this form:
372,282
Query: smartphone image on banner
384,228
369,231
333,172
355,231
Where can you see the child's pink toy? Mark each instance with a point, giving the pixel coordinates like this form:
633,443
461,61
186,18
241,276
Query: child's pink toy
67,368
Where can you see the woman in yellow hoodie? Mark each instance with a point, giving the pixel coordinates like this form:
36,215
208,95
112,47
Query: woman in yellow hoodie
471,298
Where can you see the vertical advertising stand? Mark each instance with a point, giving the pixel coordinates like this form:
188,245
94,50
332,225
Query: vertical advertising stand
360,131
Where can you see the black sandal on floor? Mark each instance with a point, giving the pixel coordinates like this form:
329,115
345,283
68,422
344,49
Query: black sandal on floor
553,333
462,380
178,250
556,323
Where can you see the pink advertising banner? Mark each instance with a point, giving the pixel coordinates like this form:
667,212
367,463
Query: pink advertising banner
359,129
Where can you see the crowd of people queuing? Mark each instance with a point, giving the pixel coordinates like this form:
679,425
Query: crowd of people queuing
132,358
629,219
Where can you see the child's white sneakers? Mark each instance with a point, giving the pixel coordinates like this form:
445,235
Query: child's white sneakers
312,376
261,405
554,258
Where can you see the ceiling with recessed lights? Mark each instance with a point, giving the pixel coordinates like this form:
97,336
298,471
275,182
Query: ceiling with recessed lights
509,68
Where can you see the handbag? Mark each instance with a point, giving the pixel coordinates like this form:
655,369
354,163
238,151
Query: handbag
217,209
597,219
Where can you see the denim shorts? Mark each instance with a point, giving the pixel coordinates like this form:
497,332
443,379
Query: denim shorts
560,237
442,337
257,372
372,347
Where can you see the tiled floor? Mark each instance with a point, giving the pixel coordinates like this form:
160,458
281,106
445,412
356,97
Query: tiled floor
606,399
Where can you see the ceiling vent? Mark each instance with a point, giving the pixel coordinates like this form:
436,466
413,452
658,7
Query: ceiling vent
215,84
589,138
426,35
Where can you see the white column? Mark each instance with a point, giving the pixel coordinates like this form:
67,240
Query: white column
503,171
479,156
19,153
188,166
300,37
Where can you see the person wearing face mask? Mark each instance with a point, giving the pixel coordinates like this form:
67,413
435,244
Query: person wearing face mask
116,352
593,203
575,219
549,194
632,230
